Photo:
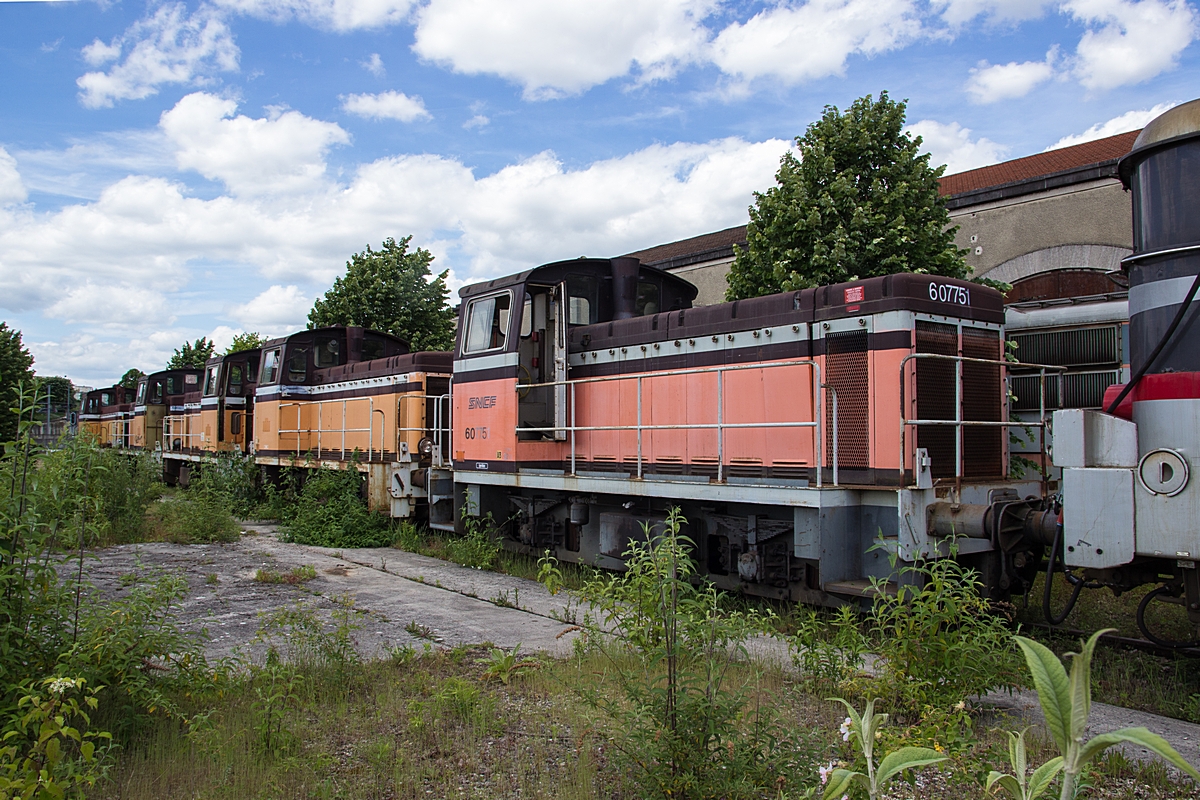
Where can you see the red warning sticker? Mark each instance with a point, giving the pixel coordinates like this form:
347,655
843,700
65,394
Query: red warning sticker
855,294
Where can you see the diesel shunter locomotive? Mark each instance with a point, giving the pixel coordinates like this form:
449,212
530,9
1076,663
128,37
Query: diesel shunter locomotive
809,437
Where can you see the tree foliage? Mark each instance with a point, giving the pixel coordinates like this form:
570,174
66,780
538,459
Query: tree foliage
860,201
245,341
16,367
192,355
130,379
391,290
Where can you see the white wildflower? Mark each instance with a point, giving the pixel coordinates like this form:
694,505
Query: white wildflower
844,728
60,685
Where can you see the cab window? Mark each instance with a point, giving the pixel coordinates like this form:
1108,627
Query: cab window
172,384
328,353
141,392
106,399
487,323
270,366
235,379
581,299
297,364
156,392
647,299
211,380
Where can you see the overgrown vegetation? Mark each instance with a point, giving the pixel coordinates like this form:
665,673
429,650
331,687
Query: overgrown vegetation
330,512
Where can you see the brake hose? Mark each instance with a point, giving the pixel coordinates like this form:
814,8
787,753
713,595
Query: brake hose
1055,554
1166,337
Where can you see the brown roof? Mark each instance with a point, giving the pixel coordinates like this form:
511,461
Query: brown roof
697,245
1036,166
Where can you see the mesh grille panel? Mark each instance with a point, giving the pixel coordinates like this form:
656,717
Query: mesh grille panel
846,364
983,450
1081,389
1071,348
935,394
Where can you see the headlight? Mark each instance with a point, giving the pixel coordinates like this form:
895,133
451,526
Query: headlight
425,446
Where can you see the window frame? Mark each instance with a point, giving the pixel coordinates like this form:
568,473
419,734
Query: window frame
466,337
277,352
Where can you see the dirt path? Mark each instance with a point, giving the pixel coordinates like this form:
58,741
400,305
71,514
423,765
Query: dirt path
411,600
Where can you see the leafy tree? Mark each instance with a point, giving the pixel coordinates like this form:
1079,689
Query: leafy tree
60,393
861,200
192,355
245,341
391,290
16,366
130,379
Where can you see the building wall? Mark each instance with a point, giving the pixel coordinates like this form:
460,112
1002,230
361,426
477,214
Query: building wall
710,277
1052,229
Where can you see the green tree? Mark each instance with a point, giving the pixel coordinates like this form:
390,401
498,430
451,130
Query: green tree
391,290
192,354
245,341
130,379
861,200
60,390
16,367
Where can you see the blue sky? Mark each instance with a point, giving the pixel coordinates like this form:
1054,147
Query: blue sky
170,170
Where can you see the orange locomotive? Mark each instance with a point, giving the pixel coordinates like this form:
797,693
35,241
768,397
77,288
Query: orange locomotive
160,395
792,429
106,416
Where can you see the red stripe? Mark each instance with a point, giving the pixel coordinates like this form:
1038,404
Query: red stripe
1160,386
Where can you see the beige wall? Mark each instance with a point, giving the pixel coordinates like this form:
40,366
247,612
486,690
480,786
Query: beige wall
710,277
1096,213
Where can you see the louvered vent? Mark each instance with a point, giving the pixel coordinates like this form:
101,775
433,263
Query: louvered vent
1079,347
1093,358
935,394
846,367
983,446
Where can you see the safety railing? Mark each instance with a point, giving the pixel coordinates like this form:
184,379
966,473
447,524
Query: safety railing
179,426
958,423
318,407
438,433
720,426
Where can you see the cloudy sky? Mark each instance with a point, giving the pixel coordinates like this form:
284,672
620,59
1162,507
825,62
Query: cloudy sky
176,169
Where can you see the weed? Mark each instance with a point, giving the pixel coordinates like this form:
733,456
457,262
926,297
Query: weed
827,661
299,638
211,579
938,640
127,579
297,575
862,731
502,600
276,689
503,667
422,631
479,547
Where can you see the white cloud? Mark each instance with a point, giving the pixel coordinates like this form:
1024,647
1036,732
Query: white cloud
799,42
552,48
477,121
386,105
338,15
1130,41
12,190
957,13
167,47
374,65
989,83
1129,121
951,144
284,152
106,304
277,311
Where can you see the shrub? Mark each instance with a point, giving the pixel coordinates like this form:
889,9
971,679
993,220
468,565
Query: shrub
479,547
331,513
939,641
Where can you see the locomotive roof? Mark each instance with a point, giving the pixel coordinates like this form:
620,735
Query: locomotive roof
556,271
240,354
331,329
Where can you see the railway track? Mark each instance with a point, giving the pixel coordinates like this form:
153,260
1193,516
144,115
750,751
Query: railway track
1120,641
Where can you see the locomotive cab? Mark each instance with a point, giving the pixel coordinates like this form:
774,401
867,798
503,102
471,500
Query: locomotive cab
160,395
227,406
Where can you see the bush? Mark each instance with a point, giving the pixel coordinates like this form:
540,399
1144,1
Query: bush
331,513
939,641
479,547
194,517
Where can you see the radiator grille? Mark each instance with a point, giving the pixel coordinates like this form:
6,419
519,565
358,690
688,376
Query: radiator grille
983,448
1079,390
935,394
846,364
1078,347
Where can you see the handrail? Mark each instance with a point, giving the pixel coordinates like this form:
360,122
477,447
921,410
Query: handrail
343,430
720,425
958,422
440,402
186,435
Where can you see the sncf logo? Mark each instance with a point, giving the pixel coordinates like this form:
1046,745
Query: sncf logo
482,402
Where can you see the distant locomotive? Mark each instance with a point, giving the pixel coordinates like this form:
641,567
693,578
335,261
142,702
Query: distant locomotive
585,398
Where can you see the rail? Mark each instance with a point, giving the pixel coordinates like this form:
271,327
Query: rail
185,434
319,405
958,423
720,425
440,430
